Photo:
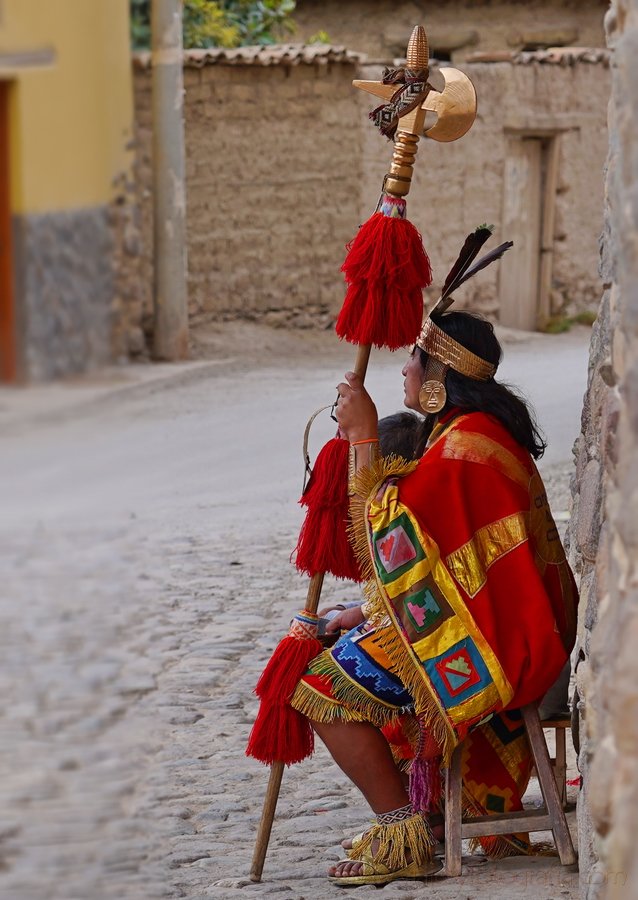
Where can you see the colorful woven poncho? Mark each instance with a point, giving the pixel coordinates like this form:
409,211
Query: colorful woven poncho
471,607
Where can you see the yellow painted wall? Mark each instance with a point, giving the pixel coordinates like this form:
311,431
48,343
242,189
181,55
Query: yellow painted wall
71,121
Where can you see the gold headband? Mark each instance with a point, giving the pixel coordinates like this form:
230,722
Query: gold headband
444,348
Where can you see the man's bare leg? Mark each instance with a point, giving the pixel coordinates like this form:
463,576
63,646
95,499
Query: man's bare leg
363,754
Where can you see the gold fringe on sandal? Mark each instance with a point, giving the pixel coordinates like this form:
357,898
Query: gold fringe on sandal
404,846
433,819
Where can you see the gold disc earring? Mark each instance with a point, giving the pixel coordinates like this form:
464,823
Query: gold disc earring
432,396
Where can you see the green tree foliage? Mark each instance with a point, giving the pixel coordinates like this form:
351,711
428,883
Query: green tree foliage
140,24
220,23
207,25
321,37
262,22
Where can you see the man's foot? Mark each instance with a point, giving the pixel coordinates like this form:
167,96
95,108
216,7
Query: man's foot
345,868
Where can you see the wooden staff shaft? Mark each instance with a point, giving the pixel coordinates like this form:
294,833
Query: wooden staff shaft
277,769
361,362
267,817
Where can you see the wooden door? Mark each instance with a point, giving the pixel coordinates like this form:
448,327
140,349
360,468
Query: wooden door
7,312
522,217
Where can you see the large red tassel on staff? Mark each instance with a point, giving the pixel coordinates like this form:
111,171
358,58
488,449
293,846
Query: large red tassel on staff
386,270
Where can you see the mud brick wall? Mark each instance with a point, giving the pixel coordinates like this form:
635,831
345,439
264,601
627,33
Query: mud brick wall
456,28
461,185
283,164
273,172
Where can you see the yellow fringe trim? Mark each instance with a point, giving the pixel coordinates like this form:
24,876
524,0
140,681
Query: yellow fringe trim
412,732
351,702
366,484
319,708
399,844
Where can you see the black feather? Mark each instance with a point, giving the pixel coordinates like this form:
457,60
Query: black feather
460,272
469,251
484,261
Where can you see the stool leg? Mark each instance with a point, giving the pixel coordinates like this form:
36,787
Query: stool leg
453,815
549,789
560,765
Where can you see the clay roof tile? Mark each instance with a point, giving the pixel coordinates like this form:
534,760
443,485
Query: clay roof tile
262,55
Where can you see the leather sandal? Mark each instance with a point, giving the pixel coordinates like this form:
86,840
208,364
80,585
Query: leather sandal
374,871
397,846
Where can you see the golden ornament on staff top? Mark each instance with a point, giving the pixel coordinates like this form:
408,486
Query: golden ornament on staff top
451,102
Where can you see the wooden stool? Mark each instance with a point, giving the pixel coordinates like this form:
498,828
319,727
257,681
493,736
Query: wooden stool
551,817
559,762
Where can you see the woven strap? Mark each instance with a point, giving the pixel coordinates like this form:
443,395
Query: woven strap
395,815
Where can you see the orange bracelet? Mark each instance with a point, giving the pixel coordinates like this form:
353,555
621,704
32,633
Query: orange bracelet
366,441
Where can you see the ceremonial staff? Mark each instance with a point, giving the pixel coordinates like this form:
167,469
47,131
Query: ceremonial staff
386,270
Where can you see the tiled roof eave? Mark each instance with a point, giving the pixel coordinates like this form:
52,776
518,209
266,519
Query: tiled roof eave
553,56
263,55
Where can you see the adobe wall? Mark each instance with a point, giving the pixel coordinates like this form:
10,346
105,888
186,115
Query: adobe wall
273,173
283,164
460,185
604,533
381,29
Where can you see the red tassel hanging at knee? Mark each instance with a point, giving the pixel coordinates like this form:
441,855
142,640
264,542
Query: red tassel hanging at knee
280,733
386,270
323,544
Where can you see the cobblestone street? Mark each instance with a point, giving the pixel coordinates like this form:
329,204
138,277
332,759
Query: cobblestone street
145,573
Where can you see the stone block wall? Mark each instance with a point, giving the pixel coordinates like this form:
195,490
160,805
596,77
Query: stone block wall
604,529
64,280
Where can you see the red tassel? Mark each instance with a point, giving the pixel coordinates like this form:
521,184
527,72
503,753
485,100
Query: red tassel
323,544
386,270
280,733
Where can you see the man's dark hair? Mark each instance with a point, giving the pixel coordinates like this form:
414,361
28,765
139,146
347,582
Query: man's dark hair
490,397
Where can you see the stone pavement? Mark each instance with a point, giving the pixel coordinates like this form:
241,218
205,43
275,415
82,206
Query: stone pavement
122,758
141,594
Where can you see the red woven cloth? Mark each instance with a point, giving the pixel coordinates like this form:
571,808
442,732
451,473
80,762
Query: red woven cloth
474,488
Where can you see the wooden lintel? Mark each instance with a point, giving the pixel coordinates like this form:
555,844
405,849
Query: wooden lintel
541,124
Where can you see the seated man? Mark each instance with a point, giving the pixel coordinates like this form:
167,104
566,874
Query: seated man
470,610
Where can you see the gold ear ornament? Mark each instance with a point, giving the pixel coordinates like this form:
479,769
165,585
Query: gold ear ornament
433,396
